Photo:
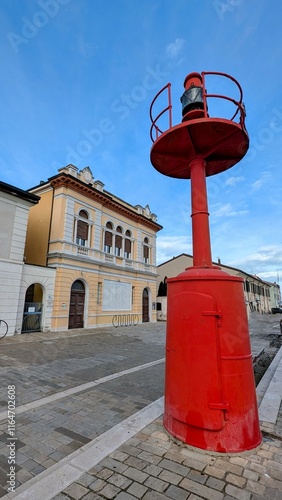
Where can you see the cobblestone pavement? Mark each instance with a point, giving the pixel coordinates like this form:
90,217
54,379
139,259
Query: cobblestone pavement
81,428
45,366
263,328
151,467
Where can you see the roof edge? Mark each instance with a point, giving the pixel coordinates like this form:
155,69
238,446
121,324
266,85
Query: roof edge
19,193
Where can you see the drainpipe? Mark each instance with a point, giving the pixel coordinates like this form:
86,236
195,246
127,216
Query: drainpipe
50,225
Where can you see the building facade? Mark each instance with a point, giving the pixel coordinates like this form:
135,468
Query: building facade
259,294
275,295
17,280
102,248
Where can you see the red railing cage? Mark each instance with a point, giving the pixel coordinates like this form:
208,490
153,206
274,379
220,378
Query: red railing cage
154,127
155,131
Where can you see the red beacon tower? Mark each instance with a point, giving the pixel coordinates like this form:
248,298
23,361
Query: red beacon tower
210,397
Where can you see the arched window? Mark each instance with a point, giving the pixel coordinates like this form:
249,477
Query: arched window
118,241
108,241
127,245
82,228
146,250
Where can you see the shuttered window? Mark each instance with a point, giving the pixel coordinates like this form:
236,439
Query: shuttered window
146,251
118,241
127,248
118,244
108,241
82,228
127,245
108,238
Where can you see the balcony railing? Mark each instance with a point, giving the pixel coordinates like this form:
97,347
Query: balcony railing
82,252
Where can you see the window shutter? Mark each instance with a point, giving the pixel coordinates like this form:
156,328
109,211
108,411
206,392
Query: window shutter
146,252
127,246
108,238
82,230
118,241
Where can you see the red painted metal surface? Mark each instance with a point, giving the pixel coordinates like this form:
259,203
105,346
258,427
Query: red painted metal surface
200,215
210,398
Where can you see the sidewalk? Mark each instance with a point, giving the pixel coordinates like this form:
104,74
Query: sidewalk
136,459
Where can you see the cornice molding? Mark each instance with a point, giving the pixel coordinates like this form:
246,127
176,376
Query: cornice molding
69,182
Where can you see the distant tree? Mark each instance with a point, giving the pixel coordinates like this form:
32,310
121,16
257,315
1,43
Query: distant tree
161,289
165,286
162,292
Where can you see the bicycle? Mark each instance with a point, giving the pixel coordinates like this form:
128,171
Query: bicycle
3,328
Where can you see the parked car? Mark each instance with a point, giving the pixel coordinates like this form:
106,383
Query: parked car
276,310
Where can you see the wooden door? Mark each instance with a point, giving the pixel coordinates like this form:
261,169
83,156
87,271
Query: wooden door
77,299
145,306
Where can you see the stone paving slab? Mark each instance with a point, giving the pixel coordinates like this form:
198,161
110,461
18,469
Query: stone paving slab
48,365
149,465
74,390
73,467
44,364
47,435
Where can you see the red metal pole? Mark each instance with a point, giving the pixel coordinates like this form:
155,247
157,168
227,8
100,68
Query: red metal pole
200,215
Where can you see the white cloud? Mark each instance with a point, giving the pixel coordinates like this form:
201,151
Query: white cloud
265,176
173,49
266,262
270,276
257,185
231,181
171,246
226,210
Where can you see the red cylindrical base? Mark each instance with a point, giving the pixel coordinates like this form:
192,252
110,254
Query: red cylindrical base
210,397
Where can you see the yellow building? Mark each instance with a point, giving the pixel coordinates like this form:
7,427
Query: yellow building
103,249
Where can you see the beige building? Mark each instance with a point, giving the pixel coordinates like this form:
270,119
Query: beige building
258,293
103,250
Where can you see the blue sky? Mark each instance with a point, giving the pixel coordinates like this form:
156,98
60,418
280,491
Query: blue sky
77,80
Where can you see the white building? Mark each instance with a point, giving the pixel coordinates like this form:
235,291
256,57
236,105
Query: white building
16,277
